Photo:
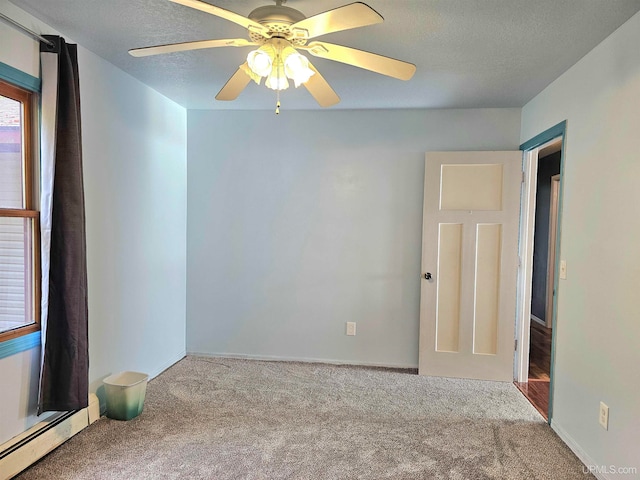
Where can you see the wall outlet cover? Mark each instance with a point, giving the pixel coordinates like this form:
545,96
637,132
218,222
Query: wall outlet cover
351,328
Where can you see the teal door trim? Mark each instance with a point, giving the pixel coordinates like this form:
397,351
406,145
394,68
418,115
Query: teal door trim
559,130
546,136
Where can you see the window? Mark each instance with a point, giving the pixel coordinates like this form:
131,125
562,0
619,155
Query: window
19,219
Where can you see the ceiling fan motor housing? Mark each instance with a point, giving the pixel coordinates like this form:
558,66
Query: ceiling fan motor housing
278,19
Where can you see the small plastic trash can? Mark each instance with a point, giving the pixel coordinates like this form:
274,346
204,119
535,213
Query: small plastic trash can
125,394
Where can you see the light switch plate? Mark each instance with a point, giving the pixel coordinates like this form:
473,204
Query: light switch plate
604,416
563,269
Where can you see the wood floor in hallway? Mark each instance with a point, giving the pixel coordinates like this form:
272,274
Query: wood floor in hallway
537,388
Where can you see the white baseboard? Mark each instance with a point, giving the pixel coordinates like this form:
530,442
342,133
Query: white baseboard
172,360
274,358
579,452
15,456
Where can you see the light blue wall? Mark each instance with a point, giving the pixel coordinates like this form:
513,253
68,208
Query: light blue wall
598,327
134,154
300,222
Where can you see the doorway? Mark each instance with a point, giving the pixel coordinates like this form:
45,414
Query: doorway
538,280
536,388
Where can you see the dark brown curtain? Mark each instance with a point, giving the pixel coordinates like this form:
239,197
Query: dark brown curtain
64,382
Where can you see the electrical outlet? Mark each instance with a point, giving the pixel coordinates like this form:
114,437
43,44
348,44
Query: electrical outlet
563,269
351,328
604,416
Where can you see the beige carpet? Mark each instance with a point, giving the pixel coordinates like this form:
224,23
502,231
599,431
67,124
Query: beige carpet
210,418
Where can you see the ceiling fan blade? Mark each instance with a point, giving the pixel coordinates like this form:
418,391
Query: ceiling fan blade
226,14
359,58
234,86
320,89
181,47
346,17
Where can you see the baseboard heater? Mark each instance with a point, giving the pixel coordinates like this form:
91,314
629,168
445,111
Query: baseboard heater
26,449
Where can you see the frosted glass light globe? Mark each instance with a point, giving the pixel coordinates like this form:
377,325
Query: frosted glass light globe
296,67
260,62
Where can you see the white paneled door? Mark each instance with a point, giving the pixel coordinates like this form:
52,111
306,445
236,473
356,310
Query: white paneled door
469,264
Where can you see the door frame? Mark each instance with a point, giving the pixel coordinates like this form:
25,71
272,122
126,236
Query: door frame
530,150
552,248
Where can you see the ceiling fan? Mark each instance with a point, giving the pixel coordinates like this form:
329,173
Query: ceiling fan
279,32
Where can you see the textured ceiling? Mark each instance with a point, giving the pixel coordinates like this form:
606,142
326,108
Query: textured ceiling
468,53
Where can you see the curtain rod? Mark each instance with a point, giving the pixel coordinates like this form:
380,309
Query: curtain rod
31,33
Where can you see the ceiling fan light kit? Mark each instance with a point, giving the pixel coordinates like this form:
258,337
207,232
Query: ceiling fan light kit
278,61
279,32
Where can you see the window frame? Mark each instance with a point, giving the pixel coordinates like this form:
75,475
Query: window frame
30,211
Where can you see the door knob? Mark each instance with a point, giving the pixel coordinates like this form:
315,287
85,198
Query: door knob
427,276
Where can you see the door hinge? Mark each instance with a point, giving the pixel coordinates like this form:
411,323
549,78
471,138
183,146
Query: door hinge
523,176
515,347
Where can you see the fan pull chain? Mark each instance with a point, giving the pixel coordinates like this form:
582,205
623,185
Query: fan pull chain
277,102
